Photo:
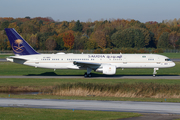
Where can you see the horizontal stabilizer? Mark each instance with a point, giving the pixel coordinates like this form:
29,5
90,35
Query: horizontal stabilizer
16,60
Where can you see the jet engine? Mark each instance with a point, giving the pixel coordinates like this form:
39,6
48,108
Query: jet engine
107,69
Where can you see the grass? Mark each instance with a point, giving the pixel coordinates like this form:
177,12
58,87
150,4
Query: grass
111,88
171,55
7,68
5,56
55,114
116,90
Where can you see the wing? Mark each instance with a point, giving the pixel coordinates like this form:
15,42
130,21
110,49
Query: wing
87,64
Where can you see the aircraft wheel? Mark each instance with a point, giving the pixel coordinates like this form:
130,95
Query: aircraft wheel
89,75
85,75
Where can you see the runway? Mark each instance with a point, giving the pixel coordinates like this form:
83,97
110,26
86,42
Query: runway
121,106
175,60
3,60
106,77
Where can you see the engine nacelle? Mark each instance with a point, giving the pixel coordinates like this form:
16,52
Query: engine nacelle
107,69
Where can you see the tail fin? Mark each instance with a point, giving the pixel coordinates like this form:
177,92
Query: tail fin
18,44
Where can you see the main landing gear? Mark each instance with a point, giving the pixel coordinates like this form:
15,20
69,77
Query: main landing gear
154,73
88,74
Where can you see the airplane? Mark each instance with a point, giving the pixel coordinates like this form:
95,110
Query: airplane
105,63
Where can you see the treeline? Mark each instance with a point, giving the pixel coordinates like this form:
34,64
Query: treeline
47,34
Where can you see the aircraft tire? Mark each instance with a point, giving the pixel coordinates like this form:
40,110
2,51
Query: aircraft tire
89,75
85,75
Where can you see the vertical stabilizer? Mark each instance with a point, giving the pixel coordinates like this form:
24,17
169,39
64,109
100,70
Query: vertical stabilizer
18,44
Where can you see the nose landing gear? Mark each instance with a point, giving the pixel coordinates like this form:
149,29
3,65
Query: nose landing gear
154,73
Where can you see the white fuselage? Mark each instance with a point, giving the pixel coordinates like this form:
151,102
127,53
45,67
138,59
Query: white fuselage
65,61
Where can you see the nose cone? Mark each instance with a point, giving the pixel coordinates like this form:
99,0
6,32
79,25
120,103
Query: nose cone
173,64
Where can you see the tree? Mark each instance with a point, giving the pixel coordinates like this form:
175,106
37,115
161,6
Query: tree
3,41
129,37
50,43
91,35
178,44
80,42
139,39
68,39
28,28
78,27
60,42
146,35
117,39
28,17
45,28
14,25
42,37
91,44
152,43
163,41
4,25
33,41
100,39
112,32
173,38
62,27
109,42
153,27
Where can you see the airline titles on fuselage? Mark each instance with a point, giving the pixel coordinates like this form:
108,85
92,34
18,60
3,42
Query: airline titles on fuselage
104,56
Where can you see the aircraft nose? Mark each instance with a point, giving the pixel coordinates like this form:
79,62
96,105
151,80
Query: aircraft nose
173,64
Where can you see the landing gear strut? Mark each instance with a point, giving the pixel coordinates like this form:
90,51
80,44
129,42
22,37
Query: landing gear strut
154,73
88,74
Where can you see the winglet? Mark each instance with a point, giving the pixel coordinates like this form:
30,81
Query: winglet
18,44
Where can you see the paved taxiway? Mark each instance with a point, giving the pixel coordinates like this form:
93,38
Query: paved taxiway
3,60
122,106
106,77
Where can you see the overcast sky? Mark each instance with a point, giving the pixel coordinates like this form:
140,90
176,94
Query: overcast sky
142,10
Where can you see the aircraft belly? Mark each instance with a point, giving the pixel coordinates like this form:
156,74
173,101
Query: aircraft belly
50,65
70,65
143,65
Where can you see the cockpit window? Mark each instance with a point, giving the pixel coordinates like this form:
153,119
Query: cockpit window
167,59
